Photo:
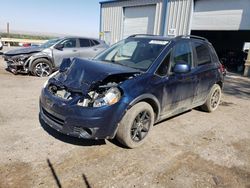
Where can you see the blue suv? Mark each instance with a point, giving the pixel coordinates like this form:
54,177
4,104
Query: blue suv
132,85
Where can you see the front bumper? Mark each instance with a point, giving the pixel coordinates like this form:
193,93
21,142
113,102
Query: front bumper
83,122
16,67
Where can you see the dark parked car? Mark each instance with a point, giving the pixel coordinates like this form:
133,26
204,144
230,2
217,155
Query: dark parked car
132,85
43,60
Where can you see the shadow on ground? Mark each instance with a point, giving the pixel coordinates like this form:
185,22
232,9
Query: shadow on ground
69,139
237,86
57,180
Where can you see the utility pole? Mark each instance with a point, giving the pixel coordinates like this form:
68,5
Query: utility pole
8,31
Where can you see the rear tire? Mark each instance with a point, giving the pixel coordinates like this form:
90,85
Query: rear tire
213,99
41,67
135,126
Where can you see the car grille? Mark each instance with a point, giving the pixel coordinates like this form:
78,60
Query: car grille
53,118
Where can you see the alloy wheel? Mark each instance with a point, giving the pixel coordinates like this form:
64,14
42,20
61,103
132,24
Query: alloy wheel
140,126
42,69
215,99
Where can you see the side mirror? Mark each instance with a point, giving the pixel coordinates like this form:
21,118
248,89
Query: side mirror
59,46
65,65
181,67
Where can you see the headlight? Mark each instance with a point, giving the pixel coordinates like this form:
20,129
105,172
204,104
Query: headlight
23,57
112,96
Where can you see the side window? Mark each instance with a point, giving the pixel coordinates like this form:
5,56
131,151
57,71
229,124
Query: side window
203,53
94,43
213,54
69,43
84,42
163,68
182,53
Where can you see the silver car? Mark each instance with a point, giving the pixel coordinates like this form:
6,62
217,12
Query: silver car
43,60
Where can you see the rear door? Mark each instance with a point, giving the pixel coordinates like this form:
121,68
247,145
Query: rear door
70,49
206,70
89,48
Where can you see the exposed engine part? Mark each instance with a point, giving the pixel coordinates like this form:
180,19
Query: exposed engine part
99,92
60,92
96,92
89,99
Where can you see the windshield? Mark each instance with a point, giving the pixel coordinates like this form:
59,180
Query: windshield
49,43
137,53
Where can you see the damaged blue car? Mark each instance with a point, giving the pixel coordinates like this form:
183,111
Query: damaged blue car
129,87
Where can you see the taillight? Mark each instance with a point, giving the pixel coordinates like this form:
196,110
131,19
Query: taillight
222,69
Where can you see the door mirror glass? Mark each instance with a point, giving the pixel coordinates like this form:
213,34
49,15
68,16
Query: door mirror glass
182,55
59,46
181,67
65,65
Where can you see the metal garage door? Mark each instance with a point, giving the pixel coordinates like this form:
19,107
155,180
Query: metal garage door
221,15
139,20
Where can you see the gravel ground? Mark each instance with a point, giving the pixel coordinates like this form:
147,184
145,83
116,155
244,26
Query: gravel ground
195,149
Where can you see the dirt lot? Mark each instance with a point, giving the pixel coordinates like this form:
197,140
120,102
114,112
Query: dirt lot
195,149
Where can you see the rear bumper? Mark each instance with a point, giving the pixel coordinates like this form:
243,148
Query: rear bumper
83,122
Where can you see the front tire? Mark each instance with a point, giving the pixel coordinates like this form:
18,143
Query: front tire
136,124
41,67
213,99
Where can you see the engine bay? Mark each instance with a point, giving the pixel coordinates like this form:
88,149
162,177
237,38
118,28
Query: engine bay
99,90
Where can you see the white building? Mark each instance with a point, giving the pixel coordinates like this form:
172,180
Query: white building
226,23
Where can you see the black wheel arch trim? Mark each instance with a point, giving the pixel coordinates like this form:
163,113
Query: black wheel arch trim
152,100
33,58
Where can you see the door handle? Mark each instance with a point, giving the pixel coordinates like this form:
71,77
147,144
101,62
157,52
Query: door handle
95,49
74,50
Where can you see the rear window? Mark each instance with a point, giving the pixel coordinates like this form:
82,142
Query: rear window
203,53
84,43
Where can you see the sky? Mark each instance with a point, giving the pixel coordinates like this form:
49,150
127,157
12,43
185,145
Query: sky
69,17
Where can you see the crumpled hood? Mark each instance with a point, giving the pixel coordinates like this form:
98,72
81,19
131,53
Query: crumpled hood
83,74
25,50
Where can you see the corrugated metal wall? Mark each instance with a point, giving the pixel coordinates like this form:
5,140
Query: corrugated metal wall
112,17
221,15
178,20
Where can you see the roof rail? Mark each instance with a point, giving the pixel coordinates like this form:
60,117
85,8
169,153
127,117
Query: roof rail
134,35
191,36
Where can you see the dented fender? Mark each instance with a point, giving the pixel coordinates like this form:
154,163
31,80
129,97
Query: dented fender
38,56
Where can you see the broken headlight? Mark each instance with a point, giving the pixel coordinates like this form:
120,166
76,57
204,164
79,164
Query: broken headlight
21,57
98,99
112,96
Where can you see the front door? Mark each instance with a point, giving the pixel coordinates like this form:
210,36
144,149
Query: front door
69,50
179,89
